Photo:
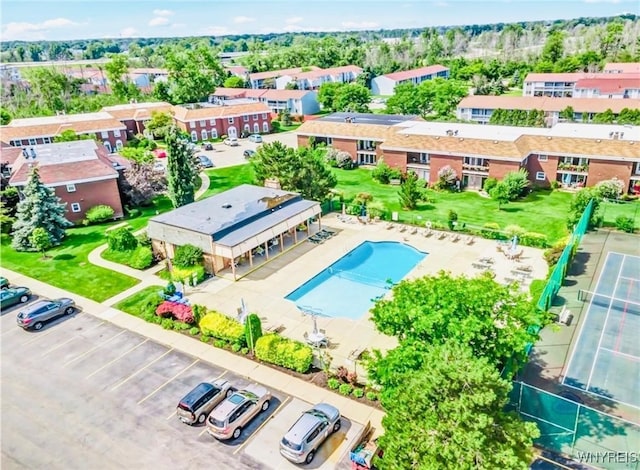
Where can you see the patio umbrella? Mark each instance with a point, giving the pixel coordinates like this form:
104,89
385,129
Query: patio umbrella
243,311
315,324
344,209
514,243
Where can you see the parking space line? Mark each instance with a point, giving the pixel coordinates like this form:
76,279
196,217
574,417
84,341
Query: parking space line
140,370
254,433
168,382
40,336
92,349
116,359
59,345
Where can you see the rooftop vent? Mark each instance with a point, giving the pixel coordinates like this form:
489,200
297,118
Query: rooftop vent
226,206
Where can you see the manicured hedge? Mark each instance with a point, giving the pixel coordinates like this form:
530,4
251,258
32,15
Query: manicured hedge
220,326
284,352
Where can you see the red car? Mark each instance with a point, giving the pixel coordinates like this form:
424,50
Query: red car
159,153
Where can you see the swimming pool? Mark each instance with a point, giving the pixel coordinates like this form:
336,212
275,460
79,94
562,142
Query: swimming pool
349,286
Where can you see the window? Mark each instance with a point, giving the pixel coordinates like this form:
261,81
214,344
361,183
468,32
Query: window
194,136
245,118
119,144
16,143
212,122
255,117
105,134
32,142
46,140
204,134
192,125
107,144
230,120
265,127
366,159
116,133
203,123
214,133
264,115
71,188
543,158
75,207
247,128
256,128
540,176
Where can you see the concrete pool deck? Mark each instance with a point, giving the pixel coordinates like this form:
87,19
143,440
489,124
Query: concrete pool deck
264,290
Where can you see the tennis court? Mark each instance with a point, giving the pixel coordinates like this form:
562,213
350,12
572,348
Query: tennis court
606,359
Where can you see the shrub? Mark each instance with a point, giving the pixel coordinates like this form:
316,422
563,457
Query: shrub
610,189
372,396
141,258
451,218
199,311
284,352
513,230
194,331
552,255
179,311
375,208
134,212
489,184
167,323
143,239
121,239
187,256
99,214
179,274
222,327
342,373
447,177
381,172
170,289
333,384
358,392
149,317
536,288
538,240
625,224
205,338
244,351
352,378
491,230
252,330
516,183
220,343
555,184
235,347
345,389
180,326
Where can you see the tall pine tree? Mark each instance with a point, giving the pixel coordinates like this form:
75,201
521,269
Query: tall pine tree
39,208
181,173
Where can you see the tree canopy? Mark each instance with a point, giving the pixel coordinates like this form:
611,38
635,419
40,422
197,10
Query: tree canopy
181,172
437,97
193,74
351,97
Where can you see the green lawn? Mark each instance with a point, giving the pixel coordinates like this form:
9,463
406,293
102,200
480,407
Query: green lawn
513,92
229,177
68,267
137,304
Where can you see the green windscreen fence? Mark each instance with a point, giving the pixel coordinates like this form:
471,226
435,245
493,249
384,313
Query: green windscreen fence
583,433
560,271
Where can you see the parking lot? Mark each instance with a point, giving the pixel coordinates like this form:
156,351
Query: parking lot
83,393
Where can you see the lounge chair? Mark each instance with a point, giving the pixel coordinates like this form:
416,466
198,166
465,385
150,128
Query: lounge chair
442,235
469,240
414,230
402,228
389,226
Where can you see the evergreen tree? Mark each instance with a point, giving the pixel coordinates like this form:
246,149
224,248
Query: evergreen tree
39,208
181,174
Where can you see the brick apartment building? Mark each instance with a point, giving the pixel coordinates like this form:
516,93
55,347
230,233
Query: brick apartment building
135,115
574,155
101,126
80,172
207,121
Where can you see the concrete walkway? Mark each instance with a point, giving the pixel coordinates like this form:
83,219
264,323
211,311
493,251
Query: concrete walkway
204,185
270,377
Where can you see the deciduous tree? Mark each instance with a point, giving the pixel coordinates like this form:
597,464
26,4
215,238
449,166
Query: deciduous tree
40,241
159,124
70,136
410,193
140,184
39,208
193,74
117,70
234,82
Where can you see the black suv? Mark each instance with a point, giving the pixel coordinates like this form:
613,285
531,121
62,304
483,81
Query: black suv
198,403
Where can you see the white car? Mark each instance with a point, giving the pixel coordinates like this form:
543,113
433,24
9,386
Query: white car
231,142
257,138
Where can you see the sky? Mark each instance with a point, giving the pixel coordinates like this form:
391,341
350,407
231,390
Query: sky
94,19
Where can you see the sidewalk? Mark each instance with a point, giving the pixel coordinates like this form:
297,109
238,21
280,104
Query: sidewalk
266,375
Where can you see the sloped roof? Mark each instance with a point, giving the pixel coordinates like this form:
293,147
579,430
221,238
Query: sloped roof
607,85
182,113
9,154
54,125
318,127
580,105
325,72
415,73
267,93
575,76
136,111
279,73
622,67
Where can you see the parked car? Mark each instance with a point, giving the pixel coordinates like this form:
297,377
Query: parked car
204,161
198,403
207,146
4,283
307,434
229,417
231,142
248,153
257,138
34,316
13,296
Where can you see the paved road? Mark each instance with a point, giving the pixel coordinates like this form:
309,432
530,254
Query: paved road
84,393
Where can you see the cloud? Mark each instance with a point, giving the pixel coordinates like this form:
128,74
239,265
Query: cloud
163,12
217,31
243,19
129,32
159,21
34,31
294,20
360,25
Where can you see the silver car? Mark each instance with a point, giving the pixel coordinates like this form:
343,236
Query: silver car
198,403
307,434
34,316
229,417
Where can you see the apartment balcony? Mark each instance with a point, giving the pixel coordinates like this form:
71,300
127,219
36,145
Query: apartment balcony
484,169
573,169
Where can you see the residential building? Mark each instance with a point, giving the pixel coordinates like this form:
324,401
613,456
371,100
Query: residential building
237,70
246,225
581,84
385,84
135,115
313,79
80,173
574,155
41,130
268,79
479,108
622,67
298,102
144,78
9,73
204,121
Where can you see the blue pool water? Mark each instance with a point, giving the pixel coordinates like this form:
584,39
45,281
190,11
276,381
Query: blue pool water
349,287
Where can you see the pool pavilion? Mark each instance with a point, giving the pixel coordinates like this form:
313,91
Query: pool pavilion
237,230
